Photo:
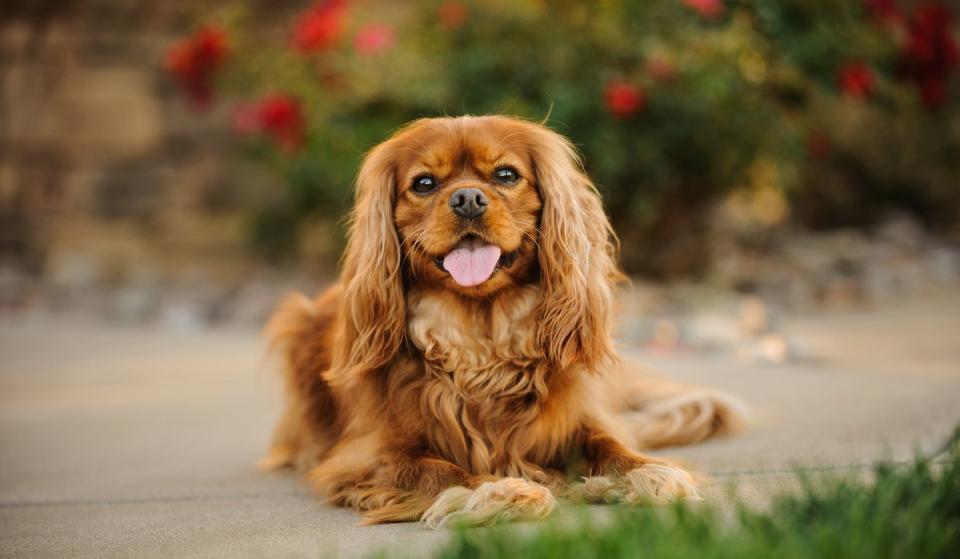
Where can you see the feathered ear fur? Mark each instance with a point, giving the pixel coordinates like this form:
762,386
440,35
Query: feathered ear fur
578,251
372,300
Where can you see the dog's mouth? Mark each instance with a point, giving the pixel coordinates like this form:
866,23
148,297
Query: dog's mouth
473,261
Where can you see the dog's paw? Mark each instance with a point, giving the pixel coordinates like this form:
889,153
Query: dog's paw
653,484
503,499
659,484
279,458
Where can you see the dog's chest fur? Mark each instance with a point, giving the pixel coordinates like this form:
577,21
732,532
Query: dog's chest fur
483,386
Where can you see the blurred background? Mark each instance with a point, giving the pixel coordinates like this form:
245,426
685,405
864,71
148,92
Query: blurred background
784,176
185,163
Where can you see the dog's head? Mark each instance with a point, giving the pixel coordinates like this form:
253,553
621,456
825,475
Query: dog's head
477,205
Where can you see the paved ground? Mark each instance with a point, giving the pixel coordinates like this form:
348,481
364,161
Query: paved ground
125,442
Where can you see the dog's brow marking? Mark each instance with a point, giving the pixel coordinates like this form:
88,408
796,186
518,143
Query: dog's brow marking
499,157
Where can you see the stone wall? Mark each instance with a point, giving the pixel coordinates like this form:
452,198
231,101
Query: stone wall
107,177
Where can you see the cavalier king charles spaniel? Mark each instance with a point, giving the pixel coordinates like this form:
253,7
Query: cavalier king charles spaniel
462,370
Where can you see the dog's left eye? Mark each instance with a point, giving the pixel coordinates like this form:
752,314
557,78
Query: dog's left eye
424,184
506,175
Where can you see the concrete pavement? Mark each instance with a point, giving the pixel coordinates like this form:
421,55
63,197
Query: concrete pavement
135,442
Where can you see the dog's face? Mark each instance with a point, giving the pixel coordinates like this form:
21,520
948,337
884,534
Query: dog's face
474,205
467,204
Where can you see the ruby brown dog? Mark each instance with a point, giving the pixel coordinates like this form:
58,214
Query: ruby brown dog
462,370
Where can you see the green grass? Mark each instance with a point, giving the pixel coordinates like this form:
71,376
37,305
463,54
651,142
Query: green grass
903,511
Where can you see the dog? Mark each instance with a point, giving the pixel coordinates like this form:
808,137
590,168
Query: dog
462,370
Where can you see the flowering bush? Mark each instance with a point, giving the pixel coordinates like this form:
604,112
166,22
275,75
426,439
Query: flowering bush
195,60
319,27
930,54
856,79
675,103
277,116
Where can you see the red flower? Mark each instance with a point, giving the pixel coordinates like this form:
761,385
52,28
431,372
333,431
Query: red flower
374,39
708,9
930,54
195,60
623,98
855,79
319,27
452,15
278,116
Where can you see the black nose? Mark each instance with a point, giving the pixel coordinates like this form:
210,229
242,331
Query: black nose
469,202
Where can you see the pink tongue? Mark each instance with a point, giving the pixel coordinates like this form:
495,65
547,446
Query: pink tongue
472,265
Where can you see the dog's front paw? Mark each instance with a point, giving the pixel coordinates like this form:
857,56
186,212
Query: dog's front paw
653,483
659,484
503,499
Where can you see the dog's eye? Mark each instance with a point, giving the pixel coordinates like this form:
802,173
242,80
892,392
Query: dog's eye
506,175
424,184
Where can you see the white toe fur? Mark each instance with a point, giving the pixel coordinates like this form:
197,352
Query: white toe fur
655,484
660,484
503,499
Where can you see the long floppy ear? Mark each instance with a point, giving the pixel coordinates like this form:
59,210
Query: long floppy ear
578,251
371,312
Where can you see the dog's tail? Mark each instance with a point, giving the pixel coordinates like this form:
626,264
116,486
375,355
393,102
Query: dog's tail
659,413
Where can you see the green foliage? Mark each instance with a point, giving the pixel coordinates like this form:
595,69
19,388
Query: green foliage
715,96
905,511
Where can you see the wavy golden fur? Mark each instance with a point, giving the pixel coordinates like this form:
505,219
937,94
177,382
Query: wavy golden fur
413,394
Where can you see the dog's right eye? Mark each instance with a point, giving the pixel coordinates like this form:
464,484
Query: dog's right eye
424,184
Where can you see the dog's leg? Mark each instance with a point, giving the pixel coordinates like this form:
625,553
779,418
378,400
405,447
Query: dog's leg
440,493
659,413
443,494
426,474
617,473
404,486
479,503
